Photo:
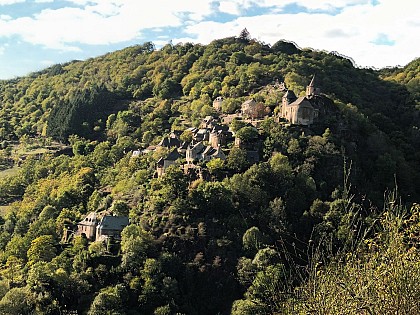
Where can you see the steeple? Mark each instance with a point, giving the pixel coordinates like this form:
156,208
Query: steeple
310,89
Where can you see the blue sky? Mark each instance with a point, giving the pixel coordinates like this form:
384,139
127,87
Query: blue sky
35,34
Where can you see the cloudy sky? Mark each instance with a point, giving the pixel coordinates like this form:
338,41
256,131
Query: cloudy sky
37,33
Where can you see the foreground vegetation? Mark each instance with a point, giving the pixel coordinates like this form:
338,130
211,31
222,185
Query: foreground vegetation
304,230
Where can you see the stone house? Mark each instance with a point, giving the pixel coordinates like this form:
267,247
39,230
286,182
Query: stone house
96,228
220,135
247,107
111,226
217,103
164,163
253,110
88,226
193,151
200,152
208,122
202,134
212,153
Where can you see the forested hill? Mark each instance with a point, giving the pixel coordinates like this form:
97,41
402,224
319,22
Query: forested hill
230,232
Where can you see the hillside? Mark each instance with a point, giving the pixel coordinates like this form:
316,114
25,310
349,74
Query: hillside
226,201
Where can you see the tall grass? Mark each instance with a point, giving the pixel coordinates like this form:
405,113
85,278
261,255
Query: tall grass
380,276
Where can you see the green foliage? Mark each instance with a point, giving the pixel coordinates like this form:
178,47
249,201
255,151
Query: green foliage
16,301
243,230
247,134
78,114
135,246
285,47
108,301
381,276
252,239
237,159
41,249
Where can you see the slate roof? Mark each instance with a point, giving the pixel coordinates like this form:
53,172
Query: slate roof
169,142
290,95
173,156
113,223
300,100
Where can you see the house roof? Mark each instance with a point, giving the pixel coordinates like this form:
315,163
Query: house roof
218,151
90,219
169,142
290,95
113,223
300,101
209,150
184,145
195,145
172,156
220,128
207,119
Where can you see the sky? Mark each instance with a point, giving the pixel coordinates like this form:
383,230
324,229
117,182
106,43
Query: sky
35,34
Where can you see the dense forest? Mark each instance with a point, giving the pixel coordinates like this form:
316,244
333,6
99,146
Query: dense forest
288,219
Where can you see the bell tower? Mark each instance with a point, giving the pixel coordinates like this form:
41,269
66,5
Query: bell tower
310,89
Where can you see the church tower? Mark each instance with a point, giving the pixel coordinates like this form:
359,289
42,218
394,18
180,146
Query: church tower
310,89
288,98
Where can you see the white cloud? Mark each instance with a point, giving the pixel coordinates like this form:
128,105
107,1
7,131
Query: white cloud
351,32
8,2
44,1
233,6
229,7
316,5
102,22
5,17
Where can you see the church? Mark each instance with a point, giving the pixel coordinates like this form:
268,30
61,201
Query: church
300,111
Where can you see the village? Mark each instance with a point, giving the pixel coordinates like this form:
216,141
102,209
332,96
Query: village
213,139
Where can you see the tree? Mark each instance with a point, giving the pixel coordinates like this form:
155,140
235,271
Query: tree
135,246
237,159
42,249
247,134
268,289
120,207
252,238
244,35
247,307
237,124
186,136
215,167
17,301
109,301
285,47
13,269
213,198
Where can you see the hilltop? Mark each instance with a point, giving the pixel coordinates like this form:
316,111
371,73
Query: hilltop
196,179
